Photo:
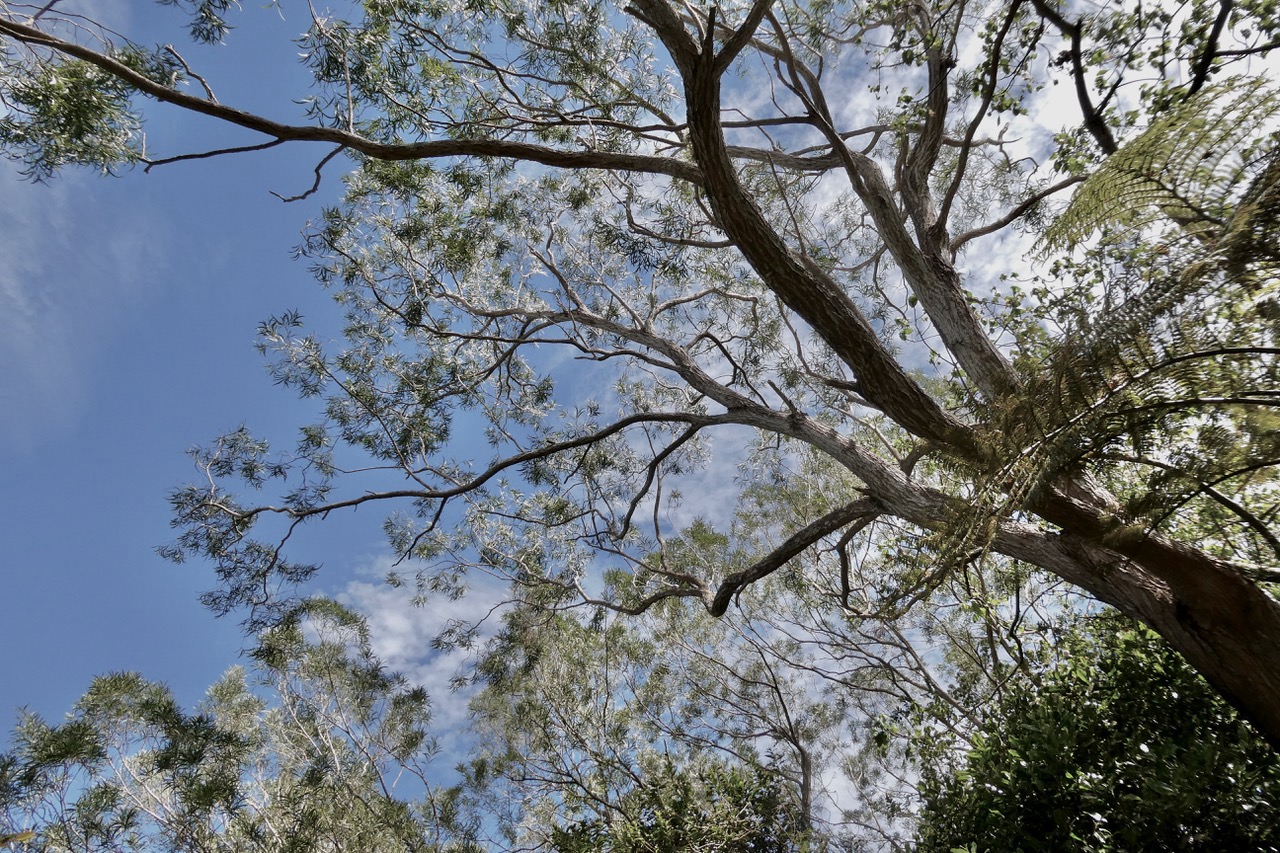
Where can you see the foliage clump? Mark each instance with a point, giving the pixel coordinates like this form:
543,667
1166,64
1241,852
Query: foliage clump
1120,747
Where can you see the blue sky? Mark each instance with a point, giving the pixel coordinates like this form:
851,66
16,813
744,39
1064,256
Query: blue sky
128,309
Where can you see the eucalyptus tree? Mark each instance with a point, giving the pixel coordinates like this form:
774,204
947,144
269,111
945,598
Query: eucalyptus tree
582,726
640,241
317,747
711,809
585,727
583,716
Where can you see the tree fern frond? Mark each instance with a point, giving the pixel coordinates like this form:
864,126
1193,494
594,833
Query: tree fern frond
1250,245
1188,166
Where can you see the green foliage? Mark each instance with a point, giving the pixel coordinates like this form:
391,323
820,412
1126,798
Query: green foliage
672,729
66,113
712,808
1120,747
1250,244
578,275
208,18
304,755
1190,166
1163,364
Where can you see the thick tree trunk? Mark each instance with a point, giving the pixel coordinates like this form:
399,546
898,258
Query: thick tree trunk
1224,624
1230,632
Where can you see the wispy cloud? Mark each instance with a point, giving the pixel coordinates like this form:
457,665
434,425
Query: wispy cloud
403,632
42,316
70,274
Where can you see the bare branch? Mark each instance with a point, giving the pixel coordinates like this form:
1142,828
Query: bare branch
218,152
795,544
1093,119
1204,63
315,186
347,139
1013,215
169,49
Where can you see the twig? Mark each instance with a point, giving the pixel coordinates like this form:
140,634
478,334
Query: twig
172,51
215,153
315,186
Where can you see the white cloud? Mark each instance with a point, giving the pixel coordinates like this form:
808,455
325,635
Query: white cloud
402,634
69,275
711,493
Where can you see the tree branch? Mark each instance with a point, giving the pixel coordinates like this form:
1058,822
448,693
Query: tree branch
1014,214
1093,120
992,80
217,152
393,151
795,544
1247,517
804,288
1204,63
316,185
931,275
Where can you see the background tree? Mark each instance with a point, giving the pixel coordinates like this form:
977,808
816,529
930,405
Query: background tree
732,272
1121,746
318,749
580,711
711,809
583,727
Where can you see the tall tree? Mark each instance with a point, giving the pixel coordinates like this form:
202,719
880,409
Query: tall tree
710,809
582,727
584,716
765,224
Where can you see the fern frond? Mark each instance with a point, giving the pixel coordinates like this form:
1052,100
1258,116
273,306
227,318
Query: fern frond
1250,245
1189,167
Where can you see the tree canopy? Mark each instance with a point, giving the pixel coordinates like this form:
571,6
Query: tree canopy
965,310
317,747
1119,747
